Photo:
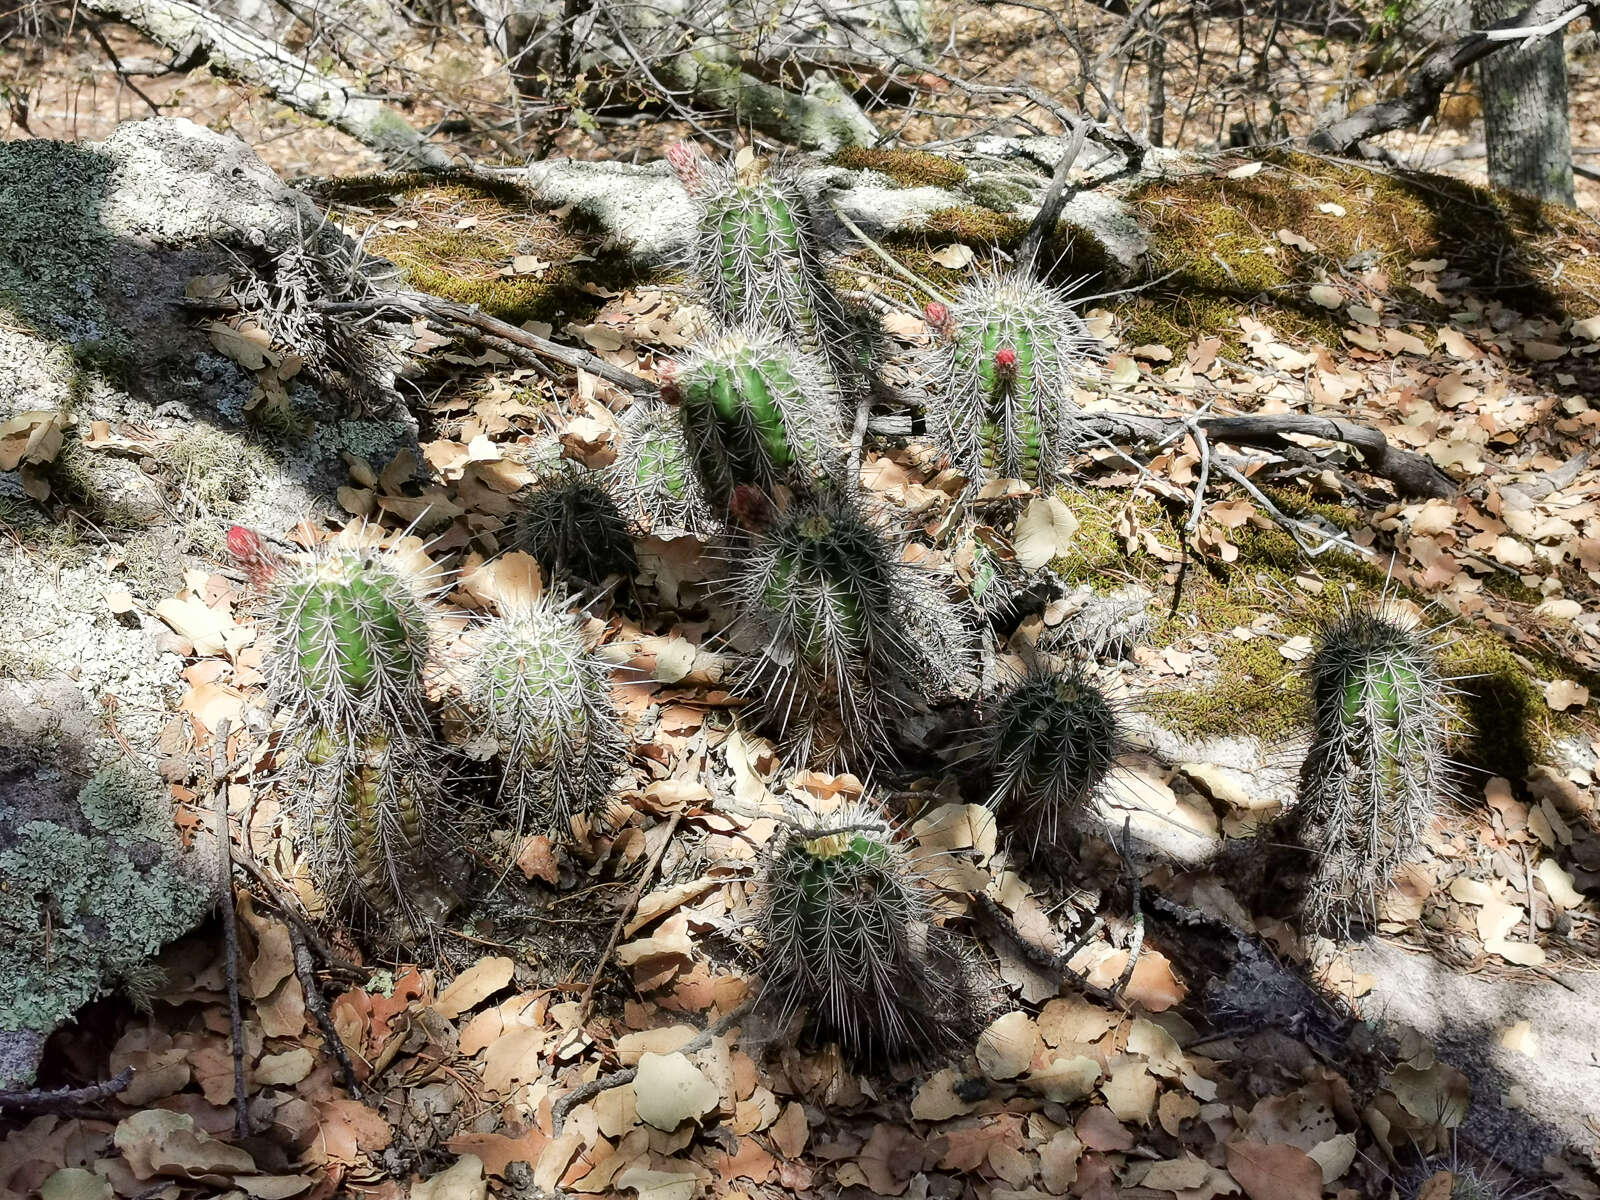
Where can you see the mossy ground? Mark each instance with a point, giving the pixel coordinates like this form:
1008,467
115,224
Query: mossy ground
1215,240
1502,723
465,239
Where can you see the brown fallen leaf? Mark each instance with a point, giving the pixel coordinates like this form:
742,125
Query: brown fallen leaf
1274,1172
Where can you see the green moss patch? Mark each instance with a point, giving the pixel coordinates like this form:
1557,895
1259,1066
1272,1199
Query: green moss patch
907,168
1216,240
464,244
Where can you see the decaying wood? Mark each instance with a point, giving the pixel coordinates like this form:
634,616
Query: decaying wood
65,1100
197,34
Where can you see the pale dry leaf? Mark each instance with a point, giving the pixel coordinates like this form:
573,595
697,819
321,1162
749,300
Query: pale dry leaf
670,1089
1177,1174
1326,295
955,256
462,1180
1562,694
1244,170
1335,1155
1066,1078
473,986
1520,1038
1006,1047
1043,532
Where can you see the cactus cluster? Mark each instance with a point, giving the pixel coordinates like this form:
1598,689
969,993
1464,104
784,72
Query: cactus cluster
351,634
573,526
846,630
848,934
1006,356
758,411
1050,741
545,700
756,254
1377,766
655,476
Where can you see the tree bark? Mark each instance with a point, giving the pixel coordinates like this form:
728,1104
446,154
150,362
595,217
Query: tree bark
1524,93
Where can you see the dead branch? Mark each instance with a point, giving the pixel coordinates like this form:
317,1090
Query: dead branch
219,770
1420,100
190,30
65,1100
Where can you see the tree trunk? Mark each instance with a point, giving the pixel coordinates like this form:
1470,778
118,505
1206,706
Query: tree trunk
1525,111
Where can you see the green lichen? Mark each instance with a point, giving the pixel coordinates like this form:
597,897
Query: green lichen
907,168
84,900
217,467
999,194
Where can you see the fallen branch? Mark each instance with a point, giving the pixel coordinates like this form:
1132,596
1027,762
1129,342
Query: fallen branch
1414,475
1420,100
560,1109
305,969
230,932
586,1002
1042,960
199,31
65,1100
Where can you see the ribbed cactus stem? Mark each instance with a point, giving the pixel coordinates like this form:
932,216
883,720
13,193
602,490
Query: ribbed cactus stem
1051,741
545,699
848,934
386,835
850,632
759,260
351,640
1003,369
758,411
654,473
1377,766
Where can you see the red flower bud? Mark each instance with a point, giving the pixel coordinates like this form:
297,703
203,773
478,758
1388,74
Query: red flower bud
685,162
252,555
1005,362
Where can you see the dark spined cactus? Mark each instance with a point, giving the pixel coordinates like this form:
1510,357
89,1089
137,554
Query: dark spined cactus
1377,768
1007,354
758,411
848,935
1050,741
849,633
573,526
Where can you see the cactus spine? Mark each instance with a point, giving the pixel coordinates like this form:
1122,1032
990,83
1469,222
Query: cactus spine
758,257
1050,743
351,642
545,700
848,630
1377,766
848,933
571,524
1001,400
758,411
655,475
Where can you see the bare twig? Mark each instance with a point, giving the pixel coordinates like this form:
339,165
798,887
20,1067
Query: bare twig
1055,199
230,932
559,1110
305,970
1041,959
586,1002
1136,942
64,1100
1420,99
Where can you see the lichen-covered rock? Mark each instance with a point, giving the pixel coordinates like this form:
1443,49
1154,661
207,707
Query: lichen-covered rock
94,886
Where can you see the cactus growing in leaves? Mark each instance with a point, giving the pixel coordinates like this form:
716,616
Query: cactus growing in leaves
654,475
1050,742
757,255
1002,370
1377,767
545,699
848,631
350,643
847,933
572,525
757,411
